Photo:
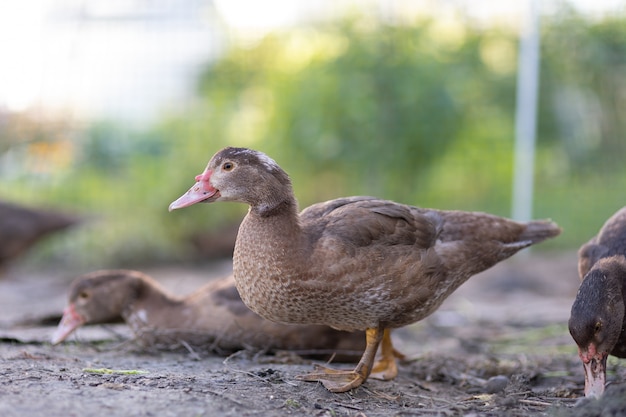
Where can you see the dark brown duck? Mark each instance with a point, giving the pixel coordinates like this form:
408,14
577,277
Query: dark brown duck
356,263
598,318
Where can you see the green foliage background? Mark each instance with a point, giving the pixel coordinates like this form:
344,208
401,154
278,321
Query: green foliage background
419,113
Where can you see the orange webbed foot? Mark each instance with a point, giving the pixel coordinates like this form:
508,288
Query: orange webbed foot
341,381
335,380
386,368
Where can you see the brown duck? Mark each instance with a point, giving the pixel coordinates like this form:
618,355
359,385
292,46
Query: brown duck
598,319
356,263
22,227
212,318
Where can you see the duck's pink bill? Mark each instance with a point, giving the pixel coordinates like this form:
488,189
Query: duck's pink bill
595,377
202,190
69,322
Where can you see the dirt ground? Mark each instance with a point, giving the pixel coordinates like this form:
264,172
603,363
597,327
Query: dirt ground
498,346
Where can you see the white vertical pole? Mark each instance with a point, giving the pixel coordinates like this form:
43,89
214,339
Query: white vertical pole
526,114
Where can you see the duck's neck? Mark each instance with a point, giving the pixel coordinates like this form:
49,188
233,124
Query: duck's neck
274,231
269,250
614,268
150,305
275,201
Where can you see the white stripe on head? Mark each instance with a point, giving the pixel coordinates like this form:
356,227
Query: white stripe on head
267,162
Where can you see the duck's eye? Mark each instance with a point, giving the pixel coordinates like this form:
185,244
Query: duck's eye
598,326
228,166
83,295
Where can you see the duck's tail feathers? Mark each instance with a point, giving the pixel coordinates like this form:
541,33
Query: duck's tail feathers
539,230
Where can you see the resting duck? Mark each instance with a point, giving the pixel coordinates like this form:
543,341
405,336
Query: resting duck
22,227
598,319
356,263
211,318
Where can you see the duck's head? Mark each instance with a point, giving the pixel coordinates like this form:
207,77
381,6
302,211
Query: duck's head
98,297
596,322
241,175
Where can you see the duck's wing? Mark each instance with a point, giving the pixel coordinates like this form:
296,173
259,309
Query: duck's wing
366,221
320,210
588,255
611,240
613,234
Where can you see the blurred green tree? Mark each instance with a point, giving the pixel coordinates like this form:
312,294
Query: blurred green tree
584,100
420,113
368,105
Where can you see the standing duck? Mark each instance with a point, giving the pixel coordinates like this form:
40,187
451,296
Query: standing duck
598,319
355,263
211,318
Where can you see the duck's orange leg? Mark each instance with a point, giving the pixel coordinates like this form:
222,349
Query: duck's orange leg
341,381
386,368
